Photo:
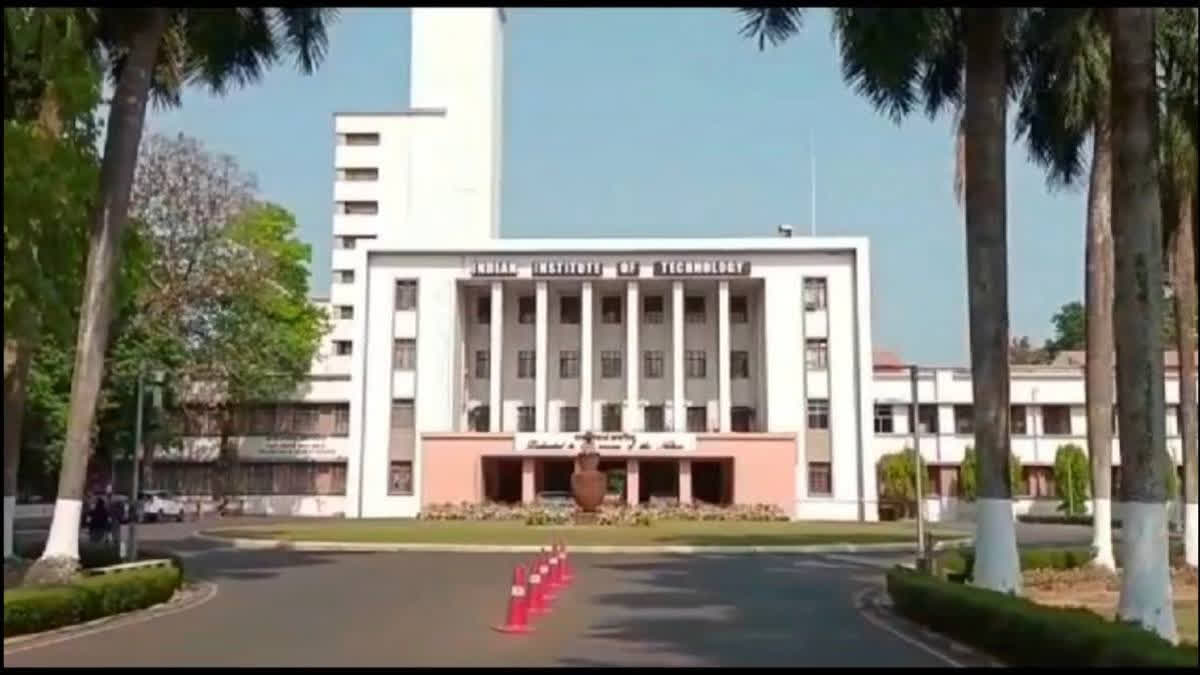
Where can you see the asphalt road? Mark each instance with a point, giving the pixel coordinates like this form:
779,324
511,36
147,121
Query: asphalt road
286,608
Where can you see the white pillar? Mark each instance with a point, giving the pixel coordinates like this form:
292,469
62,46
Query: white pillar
723,396
541,338
495,357
685,481
629,420
678,409
585,358
632,482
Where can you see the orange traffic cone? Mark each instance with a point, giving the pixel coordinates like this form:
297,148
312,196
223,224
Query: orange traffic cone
549,592
567,576
537,597
517,618
555,561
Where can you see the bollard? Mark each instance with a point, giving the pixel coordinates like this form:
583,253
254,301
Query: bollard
516,619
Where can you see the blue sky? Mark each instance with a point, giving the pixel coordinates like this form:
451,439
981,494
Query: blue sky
665,122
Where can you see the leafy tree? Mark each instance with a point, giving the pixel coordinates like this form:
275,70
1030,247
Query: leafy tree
968,473
897,473
961,58
164,47
1071,476
1070,329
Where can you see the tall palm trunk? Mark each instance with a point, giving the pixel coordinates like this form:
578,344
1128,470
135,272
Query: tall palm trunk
996,565
18,357
126,119
1137,234
1098,304
1183,253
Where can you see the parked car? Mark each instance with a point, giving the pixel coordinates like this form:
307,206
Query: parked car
159,505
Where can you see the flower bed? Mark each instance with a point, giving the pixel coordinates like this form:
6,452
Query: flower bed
608,514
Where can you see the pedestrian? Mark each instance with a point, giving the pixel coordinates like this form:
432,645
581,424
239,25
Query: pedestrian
99,522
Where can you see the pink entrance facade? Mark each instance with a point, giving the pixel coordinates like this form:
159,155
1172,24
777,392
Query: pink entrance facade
739,468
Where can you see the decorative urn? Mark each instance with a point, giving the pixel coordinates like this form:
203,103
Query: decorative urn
588,482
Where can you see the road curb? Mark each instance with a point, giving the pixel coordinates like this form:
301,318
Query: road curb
206,591
873,603
244,543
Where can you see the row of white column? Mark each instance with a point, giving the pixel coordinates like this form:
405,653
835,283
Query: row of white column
631,420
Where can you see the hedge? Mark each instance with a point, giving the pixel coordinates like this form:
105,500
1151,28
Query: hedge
959,564
1063,520
1021,633
90,555
41,608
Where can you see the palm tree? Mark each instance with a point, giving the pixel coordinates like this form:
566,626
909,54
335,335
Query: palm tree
216,47
1177,66
1137,234
945,57
1065,99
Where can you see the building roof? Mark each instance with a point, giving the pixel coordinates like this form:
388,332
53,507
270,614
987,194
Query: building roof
639,245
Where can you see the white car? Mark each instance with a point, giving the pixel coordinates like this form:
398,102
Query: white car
159,505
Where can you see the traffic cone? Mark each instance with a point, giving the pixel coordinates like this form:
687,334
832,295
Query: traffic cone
549,592
537,597
567,576
555,561
517,617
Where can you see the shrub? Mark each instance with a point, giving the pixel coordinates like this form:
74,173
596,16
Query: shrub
1022,633
897,480
968,481
1072,476
959,564
90,555
37,609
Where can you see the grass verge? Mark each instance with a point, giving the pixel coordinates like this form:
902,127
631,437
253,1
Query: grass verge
662,533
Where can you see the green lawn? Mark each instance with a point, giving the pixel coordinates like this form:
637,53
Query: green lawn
679,533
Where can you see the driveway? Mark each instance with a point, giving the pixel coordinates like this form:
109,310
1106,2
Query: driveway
287,608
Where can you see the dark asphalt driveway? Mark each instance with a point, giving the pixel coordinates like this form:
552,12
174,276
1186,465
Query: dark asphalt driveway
285,608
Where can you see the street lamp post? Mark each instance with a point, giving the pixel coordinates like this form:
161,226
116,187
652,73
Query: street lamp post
157,380
914,427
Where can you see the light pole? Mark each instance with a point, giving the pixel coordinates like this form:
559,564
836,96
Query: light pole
914,427
157,378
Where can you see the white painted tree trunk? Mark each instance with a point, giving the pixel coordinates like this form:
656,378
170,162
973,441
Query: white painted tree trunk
10,508
1146,578
1102,546
63,540
1190,533
997,565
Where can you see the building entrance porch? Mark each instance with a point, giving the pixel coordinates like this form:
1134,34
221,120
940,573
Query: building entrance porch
631,481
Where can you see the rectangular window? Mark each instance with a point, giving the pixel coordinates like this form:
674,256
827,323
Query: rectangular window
927,418
526,364
479,419
568,309
345,243
652,365
526,309
568,418
693,309
404,354
964,419
406,295
739,364
814,294
697,419
610,309
344,276
697,365
341,420
568,364
652,309
362,138
306,420
526,418
402,414
342,347
1018,425
357,208
401,480
885,423
820,479
610,417
610,364
483,364
739,309
1056,420
818,413
359,174
816,353
741,418
483,310
345,311
653,418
